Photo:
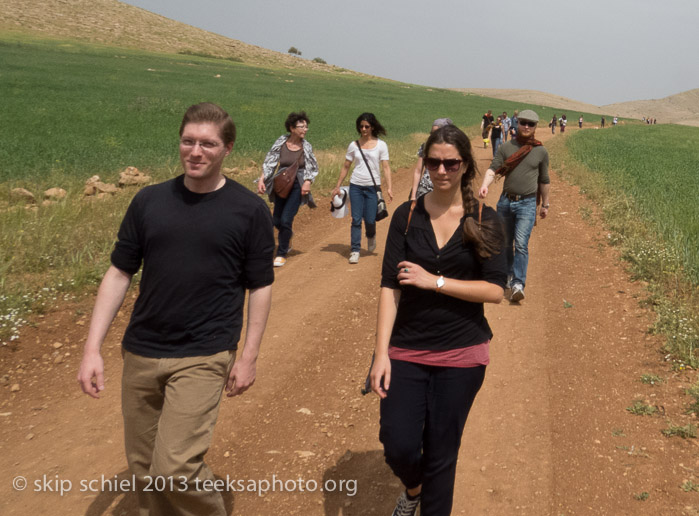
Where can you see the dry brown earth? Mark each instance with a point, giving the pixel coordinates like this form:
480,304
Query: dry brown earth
549,433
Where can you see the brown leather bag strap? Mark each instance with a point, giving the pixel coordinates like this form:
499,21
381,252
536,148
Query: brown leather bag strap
410,215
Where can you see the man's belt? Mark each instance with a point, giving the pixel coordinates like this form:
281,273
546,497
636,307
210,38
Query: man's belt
517,197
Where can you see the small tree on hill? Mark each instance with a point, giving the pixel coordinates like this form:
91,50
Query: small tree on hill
294,50
319,60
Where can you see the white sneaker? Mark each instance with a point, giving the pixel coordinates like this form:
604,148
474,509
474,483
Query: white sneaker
517,293
354,257
371,244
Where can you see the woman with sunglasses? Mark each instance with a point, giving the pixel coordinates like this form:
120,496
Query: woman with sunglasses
286,151
443,260
369,155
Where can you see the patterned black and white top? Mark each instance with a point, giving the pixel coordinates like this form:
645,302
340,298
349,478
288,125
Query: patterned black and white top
425,185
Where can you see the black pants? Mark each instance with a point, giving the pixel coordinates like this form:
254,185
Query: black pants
422,420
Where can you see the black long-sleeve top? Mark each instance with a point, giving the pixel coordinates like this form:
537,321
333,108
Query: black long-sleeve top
425,318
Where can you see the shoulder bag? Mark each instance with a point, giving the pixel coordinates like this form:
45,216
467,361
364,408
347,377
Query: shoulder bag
284,179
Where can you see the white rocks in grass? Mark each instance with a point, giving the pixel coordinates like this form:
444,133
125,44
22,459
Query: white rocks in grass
94,186
21,194
133,176
55,194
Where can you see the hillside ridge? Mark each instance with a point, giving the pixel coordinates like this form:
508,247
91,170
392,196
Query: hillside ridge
112,22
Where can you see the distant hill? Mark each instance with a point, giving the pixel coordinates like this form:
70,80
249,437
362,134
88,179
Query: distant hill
111,22
538,97
682,108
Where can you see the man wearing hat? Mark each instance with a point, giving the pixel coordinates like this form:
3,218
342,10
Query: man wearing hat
524,163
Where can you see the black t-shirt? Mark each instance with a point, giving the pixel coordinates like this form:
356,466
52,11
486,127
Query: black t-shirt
427,320
200,252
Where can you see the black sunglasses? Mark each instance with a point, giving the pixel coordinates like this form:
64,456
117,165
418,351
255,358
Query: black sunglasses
527,123
450,165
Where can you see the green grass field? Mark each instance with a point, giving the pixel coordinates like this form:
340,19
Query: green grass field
76,109
656,166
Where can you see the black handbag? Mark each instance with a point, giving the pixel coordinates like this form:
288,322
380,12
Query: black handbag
381,208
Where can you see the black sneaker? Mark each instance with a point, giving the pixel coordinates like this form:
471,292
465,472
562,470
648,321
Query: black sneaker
405,506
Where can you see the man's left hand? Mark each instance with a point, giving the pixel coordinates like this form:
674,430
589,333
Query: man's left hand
543,212
241,378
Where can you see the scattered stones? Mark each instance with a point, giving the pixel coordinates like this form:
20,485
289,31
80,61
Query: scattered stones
55,194
304,411
29,437
14,388
4,380
20,194
132,176
94,186
58,359
57,345
304,454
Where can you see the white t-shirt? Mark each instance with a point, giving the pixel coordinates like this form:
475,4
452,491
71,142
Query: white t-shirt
360,175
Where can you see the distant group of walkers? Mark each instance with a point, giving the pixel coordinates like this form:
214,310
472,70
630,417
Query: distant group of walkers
205,242
497,130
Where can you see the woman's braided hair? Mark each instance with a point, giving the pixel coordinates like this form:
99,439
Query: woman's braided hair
487,236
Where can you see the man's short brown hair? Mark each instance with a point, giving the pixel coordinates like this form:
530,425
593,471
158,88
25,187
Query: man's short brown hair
209,112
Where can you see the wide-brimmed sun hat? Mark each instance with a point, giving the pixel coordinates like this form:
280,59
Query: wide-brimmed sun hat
338,205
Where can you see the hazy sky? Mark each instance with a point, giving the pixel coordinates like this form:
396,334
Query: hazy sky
595,51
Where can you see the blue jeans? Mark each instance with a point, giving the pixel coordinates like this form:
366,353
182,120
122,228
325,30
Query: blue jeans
518,218
422,421
363,203
283,217
496,143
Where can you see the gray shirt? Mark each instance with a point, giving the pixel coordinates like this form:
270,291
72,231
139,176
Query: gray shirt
527,176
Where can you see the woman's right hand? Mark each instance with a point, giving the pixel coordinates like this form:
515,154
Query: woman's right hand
381,370
261,188
336,191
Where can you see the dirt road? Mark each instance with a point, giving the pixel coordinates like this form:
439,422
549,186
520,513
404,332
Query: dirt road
549,433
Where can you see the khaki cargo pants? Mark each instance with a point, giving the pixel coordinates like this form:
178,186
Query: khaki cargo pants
170,406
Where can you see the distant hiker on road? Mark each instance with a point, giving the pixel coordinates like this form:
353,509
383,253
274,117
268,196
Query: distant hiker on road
515,123
290,150
563,122
486,126
369,155
524,162
615,121
602,122
496,134
444,258
552,124
506,125
580,122
421,176
203,240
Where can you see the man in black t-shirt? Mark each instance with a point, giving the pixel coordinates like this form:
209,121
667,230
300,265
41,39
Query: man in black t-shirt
203,241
